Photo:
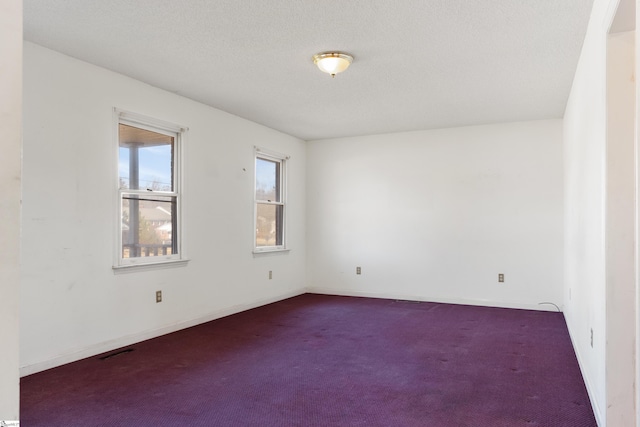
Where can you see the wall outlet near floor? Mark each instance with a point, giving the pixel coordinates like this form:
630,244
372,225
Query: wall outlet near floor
500,277
358,270
158,296
270,274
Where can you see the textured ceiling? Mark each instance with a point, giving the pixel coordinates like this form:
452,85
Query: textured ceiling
419,64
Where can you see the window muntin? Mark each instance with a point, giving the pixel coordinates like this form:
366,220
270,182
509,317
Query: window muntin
148,191
269,202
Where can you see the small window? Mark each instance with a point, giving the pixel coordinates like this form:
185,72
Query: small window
270,205
149,199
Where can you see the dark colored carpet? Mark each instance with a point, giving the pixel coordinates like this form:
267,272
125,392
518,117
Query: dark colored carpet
318,360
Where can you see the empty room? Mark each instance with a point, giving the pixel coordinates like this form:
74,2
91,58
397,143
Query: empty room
301,213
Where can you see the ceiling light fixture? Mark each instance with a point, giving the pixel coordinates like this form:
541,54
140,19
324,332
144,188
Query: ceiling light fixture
332,62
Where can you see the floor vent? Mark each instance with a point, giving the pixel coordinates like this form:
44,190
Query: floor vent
117,353
407,301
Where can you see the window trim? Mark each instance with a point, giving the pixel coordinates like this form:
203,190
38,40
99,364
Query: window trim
179,134
273,156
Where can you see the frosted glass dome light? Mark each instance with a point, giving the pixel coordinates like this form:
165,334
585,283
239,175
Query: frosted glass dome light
332,62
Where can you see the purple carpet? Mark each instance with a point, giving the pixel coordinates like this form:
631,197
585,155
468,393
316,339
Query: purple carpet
317,360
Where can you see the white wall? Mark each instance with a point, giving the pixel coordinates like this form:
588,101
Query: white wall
584,144
596,189
437,215
10,178
73,305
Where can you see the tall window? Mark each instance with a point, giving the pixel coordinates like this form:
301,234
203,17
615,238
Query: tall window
270,201
148,190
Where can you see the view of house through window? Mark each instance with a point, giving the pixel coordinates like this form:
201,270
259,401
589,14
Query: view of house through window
270,204
148,193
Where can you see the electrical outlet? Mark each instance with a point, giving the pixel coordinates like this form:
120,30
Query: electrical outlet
158,296
358,270
500,277
270,274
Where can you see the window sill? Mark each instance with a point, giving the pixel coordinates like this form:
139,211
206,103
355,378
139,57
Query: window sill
270,251
130,268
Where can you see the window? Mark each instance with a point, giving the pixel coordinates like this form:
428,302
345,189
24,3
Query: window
149,200
270,201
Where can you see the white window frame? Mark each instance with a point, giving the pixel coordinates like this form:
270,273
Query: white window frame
179,135
261,153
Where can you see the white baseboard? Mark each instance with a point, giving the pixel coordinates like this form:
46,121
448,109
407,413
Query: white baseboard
145,335
461,301
590,389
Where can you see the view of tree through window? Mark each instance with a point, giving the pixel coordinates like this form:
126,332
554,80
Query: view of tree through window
269,202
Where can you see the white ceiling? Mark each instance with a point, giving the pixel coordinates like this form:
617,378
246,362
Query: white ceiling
419,64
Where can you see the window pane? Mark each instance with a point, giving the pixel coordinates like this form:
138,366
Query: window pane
267,180
148,226
145,159
269,225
